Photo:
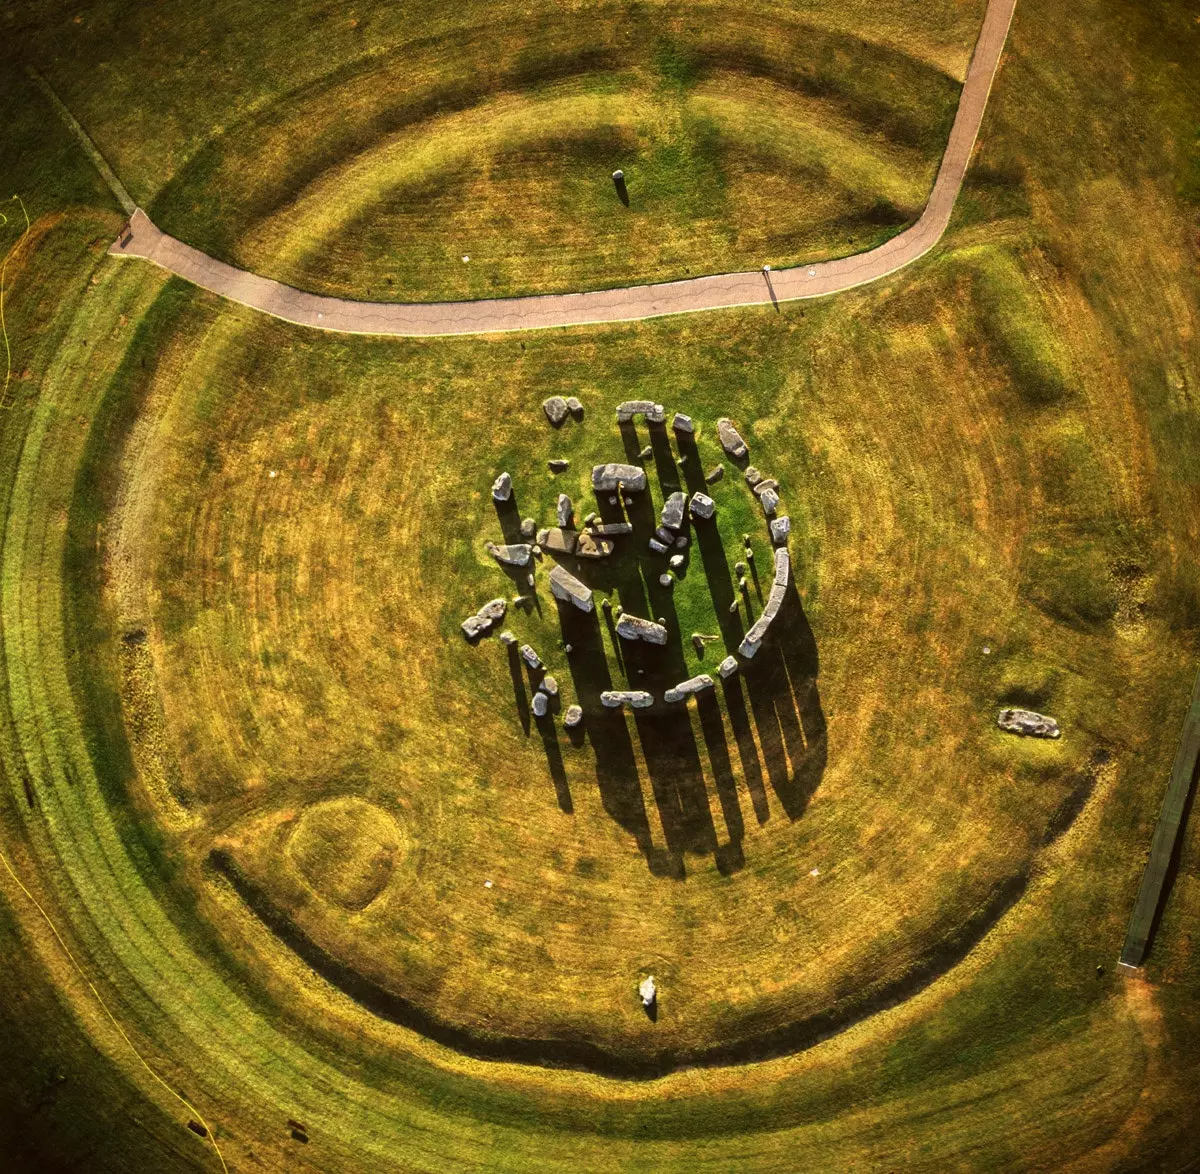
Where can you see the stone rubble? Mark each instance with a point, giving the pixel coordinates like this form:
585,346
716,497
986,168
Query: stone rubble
714,475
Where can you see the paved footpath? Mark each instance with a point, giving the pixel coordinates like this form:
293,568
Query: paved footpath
141,238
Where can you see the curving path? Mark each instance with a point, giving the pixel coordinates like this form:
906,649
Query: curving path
141,238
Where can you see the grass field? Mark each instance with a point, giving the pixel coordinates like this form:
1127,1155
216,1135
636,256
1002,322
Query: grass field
241,731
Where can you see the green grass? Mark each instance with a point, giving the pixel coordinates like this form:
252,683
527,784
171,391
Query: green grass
996,448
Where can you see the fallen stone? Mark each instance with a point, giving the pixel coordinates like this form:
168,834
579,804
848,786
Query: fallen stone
714,475
1027,723
727,667
507,638
549,686
753,476
558,540
530,657
541,705
590,518
682,423
640,407
558,465
564,510
613,528
769,500
517,555
564,586
615,698
703,506
607,478
647,991
657,546
502,488
493,611
572,717
556,410
589,546
634,628
672,511
676,561
781,527
765,484
731,440
574,406
689,688
475,626
528,528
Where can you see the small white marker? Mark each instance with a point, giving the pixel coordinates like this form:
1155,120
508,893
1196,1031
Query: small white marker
987,651
812,273
815,872
320,314
487,884
272,473
466,259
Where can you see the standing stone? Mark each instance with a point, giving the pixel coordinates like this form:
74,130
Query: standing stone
541,705
753,476
682,423
781,527
517,555
556,410
558,465
681,542
507,639
727,667
549,686
676,561
615,698
1027,723
528,528
657,546
648,992
606,478
666,579
502,488
769,500
672,511
731,440
493,611
575,407
572,717
564,510
703,506
530,657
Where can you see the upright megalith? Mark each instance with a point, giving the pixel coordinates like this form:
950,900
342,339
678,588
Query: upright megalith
727,667
672,511
564,510
758,631
648,992
682,423
573,717
514,555
556,409
731,440
502,488
530,657
635,628
703,506
654,413
781,527
611,477
689,688
564,586
616,698
540,704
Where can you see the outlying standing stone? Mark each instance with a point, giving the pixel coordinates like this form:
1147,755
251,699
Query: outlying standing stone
703,506
502,487
556,410
689,687
731,440
615,698
517,555
634,628
1027,723
606,478
564,586
647,992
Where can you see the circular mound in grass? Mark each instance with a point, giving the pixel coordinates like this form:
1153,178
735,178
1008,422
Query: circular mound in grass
346,849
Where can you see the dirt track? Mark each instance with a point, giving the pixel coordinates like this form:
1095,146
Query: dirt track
142,239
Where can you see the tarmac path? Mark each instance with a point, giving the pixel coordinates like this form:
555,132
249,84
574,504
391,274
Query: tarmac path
140,238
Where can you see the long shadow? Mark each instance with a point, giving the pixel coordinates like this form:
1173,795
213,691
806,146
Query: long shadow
519,692
509,515
554,759
729,858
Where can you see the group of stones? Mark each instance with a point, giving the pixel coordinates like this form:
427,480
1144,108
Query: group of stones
597,540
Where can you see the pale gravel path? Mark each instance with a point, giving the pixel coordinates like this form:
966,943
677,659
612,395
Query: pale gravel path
142,239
